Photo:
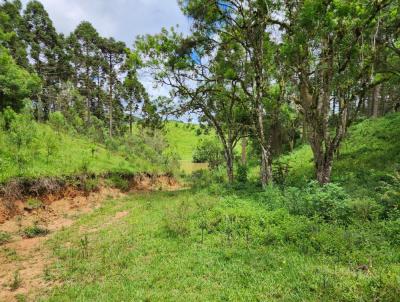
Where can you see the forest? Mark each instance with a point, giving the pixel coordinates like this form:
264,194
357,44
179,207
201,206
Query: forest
254,156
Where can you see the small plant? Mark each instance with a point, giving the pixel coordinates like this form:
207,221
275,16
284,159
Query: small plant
20,298
280,172
390,199
119,182
47,274
242,173
35,231
16,283
90,185
4,237
177,221
84,246
203,227
33,204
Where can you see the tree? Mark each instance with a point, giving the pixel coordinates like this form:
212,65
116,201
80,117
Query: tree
198,80
245,23
133,90
114,53
84,48
46,52
324,44
12,24
16,83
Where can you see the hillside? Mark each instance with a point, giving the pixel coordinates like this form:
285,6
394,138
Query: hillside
369,152
183,138
33,150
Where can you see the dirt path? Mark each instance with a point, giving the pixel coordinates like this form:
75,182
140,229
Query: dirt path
24,261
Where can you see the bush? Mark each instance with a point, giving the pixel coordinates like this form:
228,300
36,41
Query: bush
4,237
90,184
57,121
365,209
119,182
209,151
35,231
328,202
209,179
177,221
241,176
390,198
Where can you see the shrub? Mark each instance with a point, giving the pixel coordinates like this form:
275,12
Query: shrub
328,202
365,209
57,121
241,176
119,182
90,184
4,237
280,172
177,221
390,198
35,231
210,151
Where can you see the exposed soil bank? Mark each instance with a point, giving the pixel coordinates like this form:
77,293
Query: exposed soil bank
23,260
15,194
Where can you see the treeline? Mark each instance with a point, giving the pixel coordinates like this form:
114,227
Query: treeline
280,72
90,79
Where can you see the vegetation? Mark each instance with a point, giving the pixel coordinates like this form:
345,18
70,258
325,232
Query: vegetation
296,106
4,237
34,231
252,247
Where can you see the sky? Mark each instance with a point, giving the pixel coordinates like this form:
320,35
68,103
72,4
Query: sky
121,19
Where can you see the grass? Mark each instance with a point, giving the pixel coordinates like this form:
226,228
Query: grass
183,138
369,152
69,155
4,237
34,231
193,246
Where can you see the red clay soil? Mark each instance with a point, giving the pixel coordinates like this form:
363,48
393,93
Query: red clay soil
26,259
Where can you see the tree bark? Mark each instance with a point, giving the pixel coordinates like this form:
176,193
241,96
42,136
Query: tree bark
229,163
110,97
266,165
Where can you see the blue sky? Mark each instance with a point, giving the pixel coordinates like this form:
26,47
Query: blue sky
122,19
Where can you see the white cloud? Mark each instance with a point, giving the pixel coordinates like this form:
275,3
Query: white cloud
122,19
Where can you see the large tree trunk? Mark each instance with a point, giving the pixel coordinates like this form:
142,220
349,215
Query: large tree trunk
229,164
324,171
266,165
110,110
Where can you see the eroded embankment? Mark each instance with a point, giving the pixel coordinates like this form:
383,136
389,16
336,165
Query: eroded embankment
57,203
15,194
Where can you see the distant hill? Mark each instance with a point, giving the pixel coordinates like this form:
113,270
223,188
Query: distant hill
183,138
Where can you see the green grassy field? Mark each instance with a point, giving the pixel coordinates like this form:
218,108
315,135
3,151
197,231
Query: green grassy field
299,243
69,155
246,253
46,152
183,138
